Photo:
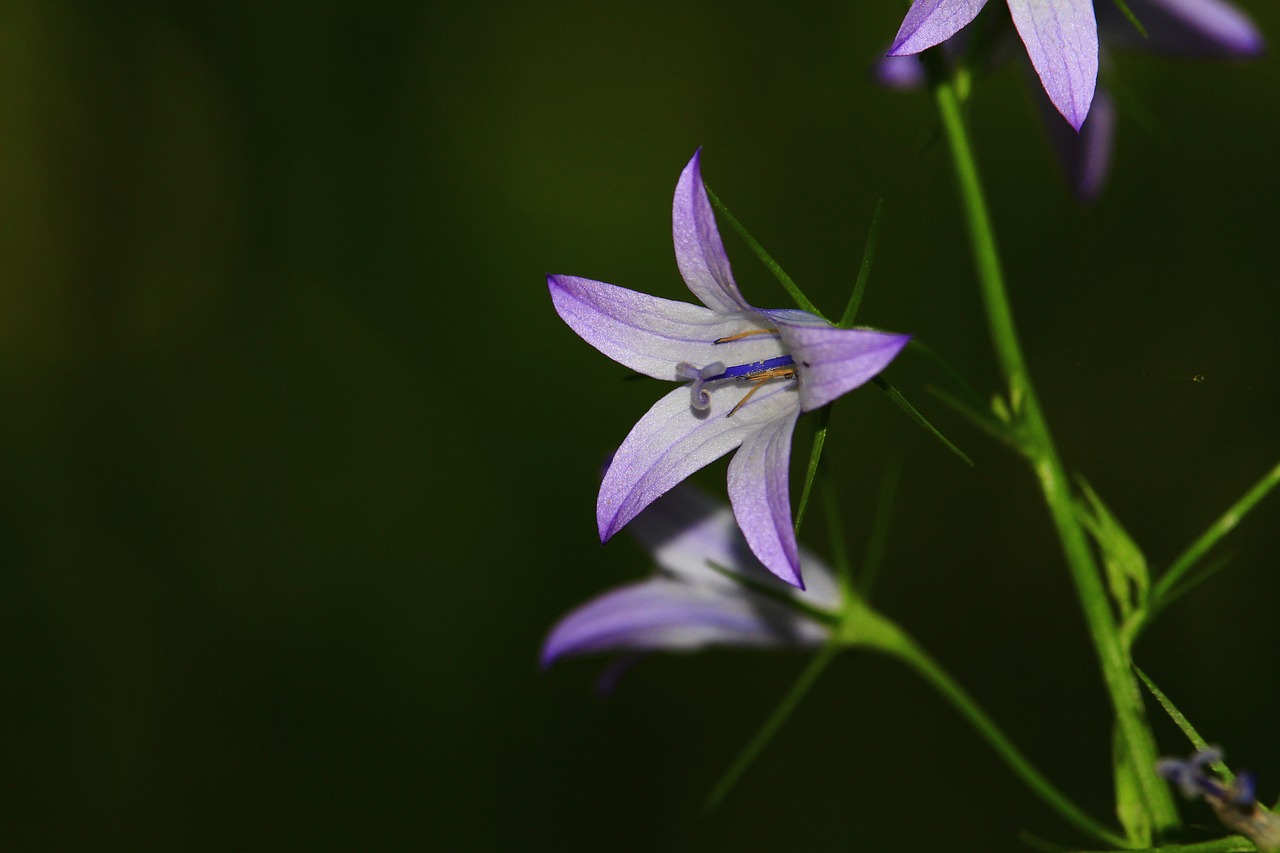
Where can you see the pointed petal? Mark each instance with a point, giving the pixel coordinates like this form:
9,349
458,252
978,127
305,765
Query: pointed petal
832,361
673,440
931,22
1062,41
699,251
759,489
1207,28
671,615
688,532
1085,155
652,335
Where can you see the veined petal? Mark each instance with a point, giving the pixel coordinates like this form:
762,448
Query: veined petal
832,361
1062,40
662,613
931,22
1211,28
759,490
652,335
699,251
688,533
673,440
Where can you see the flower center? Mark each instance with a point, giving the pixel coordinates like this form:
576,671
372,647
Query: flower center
756,372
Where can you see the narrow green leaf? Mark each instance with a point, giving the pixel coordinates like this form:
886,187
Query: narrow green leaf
864,271
1231,844
815,456
785,280
896,397
1125,566
1132,18
879,536
774,722
1188,583
980,418
919,347
1182,722
1220,528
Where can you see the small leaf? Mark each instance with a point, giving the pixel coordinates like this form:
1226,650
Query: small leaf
785,280
1130,17
864,270
1126,567
896,397
1182,723
815,456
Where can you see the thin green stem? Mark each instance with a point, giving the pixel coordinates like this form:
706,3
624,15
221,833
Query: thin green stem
779,716
864,627
1037,443
1220,528
815,457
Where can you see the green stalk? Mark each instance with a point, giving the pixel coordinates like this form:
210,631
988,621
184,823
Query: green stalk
863,627
1036,442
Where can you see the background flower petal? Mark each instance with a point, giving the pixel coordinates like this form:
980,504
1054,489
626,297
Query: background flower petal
672,441
1062,41
832,361
759,490
686,531
699,251
652,335
1203,28
671,615
930,22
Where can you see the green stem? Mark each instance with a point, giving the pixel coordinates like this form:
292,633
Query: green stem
1037,443
866,628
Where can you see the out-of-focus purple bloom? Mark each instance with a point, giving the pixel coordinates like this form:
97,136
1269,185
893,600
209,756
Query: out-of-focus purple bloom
1061,38
1236,804
691,604
1212,29
750,373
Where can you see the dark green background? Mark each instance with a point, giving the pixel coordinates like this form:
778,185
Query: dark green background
297,464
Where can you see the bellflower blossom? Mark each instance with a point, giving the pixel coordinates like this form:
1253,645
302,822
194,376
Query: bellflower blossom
1061,36
1235,804
1209,29
694,600
750,373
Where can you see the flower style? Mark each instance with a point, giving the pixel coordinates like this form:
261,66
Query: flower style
1061,37
789,360
709,591
1208,29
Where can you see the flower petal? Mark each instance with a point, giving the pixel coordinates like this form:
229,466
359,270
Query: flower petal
1207,28
832,361
931,22
1085,155
688,533
699,251
1062,41
759,489
673,440
652,335
667,614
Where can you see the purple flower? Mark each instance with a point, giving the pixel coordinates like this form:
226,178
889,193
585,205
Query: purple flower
1059,48
750,373
1236,804
709,590
1061,37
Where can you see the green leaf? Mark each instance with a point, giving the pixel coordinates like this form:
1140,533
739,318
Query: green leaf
1131,806
896,397
815,456
864,270
1125,566
785,280
1220,528
1182,722
1132,18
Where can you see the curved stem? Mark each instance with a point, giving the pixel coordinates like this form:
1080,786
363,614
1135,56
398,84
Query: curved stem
865,628
1036,442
